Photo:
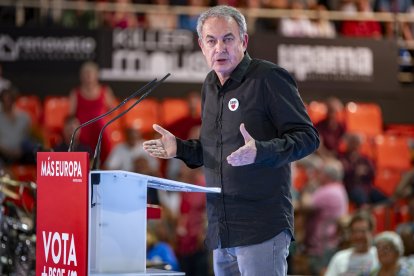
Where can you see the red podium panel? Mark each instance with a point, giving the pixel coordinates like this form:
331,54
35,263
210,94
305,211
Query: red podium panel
62,213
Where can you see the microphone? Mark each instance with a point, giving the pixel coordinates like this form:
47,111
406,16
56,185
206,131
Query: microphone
72,138
96,157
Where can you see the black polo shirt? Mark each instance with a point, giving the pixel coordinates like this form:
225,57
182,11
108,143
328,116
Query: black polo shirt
255,202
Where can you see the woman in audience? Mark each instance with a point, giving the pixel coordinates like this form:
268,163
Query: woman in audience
390,249
89,100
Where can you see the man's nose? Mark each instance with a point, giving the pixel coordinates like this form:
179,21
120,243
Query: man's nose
220,47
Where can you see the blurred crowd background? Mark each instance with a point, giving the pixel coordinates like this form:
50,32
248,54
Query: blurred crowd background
356,191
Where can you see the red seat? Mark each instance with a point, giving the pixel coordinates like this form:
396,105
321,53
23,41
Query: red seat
387,180
317,111
363,118
142,116
173,109
392,152
32,105
56,109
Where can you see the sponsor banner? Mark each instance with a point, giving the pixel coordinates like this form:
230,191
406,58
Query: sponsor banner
62,213
46,50
141,55
333,65
32,56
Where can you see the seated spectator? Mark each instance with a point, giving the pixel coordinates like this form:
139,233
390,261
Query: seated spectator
392,29
69,126
189,21
122,17
322,26
359,174
123,155
362,28
160,17
406,231
390,248
324,208
159,254
16,144
191,225
298,25
361,258
79,17
331,129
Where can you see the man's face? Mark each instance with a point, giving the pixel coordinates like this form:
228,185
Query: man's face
222,45
361,236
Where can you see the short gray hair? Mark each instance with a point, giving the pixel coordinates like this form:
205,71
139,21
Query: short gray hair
393,238
223,12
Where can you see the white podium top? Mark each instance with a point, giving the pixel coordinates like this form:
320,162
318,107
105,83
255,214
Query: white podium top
167,184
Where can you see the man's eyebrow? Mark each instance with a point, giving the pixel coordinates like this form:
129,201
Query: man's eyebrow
225,36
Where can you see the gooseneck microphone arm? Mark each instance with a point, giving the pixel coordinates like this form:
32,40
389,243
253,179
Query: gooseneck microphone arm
96,157
136,93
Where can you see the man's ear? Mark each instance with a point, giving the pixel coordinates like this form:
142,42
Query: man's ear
200,43
245,41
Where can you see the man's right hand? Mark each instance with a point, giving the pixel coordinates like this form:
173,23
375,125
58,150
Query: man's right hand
165,147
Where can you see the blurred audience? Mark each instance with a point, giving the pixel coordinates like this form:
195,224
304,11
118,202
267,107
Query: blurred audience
297,25
361,258
390,248
16,143
89,100
189,21
160,17
191,226
122,17
332,128
123,155
359,174
160,254
69,126
362,28
80,18
324,208
406,231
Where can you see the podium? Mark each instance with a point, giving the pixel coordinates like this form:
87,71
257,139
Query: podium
94,223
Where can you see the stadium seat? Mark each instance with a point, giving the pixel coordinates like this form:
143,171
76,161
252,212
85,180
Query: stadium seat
387,180
55,111
142,116
173,109
316,110
392,152
363,118
32,105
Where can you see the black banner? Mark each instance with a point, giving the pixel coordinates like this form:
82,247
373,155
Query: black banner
332,66
48,60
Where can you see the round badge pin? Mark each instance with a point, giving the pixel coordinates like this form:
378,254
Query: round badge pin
233,104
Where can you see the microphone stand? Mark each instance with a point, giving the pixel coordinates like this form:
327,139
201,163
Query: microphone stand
96,157
150,84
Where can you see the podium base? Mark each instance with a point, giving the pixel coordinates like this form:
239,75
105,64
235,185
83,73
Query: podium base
149,272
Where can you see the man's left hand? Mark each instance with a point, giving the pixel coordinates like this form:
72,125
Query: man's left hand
246,154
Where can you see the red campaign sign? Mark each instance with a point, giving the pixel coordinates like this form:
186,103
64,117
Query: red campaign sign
62,213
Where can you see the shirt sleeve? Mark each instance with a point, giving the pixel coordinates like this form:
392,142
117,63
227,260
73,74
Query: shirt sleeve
191,152
297,137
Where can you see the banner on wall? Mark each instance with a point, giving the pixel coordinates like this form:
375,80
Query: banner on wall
46,50
340,64
141,55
